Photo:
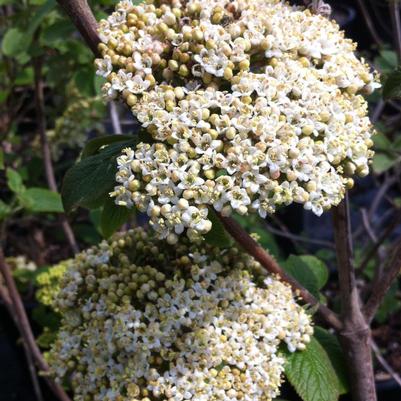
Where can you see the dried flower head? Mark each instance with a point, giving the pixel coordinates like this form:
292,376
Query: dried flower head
146,320
251,105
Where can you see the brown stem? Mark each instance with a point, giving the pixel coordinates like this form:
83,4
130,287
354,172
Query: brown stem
355,336
386,366
372,252
267,261
47,159
115,118
13,300
369,22
31,365
396,24
295,238
32,371
83,18
383,283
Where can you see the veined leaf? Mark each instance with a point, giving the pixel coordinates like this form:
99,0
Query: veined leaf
14,181
308,270
15,42
113,217
312,375
95,144
89,181
318,268
383,162
42,200
333,349
217,236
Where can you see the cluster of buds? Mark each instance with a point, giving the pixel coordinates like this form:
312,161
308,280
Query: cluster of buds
144,320
48,283
250,105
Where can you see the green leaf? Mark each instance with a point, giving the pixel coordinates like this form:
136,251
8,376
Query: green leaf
392,85
57,32
15,42
83,78
42,200
383,162
95,216
113,217
382,142
217,236
94,145
318,268
41,13
387,60
98,83
45,317
312,375
5,210
303,273
267,240
333,349
14,181
89,181
24,77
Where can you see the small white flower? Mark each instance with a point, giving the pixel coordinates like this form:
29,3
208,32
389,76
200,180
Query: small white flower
137,84
104,66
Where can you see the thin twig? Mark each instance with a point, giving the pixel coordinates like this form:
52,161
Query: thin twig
378,111
115,118
381,285
270,264
282,228
5,297
386,366
380,195
300,238
394,6
368,227
387,232
32,371
25,328
369,22
47,159
384,26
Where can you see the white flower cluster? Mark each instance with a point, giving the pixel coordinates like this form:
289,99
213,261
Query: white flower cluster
144,320
21,264
251,105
